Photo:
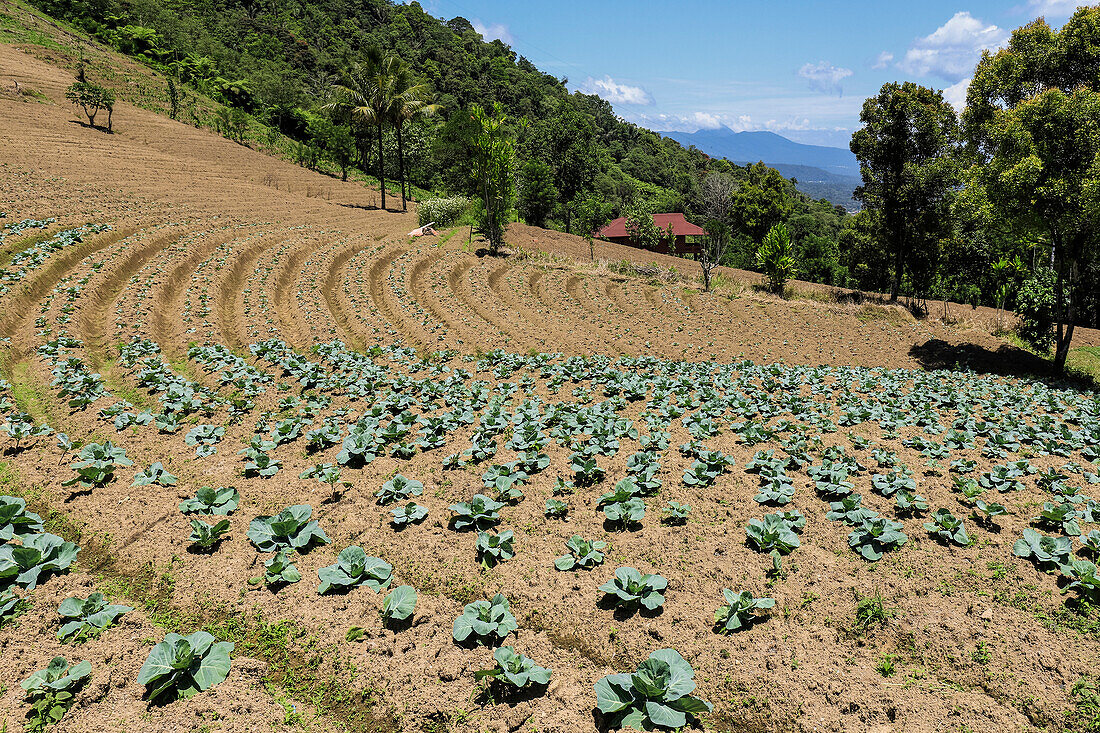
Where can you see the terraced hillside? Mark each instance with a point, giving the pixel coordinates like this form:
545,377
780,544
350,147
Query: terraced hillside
245,323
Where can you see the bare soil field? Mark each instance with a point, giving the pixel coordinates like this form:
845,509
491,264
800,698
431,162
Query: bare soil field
224,290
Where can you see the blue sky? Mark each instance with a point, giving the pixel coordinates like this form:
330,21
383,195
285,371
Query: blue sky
801,68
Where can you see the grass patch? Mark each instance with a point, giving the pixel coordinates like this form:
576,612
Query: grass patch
28,398
121,389
1085,714
1082,363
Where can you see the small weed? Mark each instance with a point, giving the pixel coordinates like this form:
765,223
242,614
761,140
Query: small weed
886,666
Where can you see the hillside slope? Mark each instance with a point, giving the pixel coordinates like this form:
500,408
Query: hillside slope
216,246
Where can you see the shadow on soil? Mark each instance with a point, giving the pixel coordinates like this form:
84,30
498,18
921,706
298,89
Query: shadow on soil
1007,361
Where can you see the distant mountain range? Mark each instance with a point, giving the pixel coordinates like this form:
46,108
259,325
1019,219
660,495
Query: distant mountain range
821,172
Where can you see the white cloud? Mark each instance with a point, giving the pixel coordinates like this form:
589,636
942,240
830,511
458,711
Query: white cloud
956,94
883,60
824,77
492,31
615,92
952,50
1056,8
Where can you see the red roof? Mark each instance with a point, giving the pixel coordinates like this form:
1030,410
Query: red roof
680,226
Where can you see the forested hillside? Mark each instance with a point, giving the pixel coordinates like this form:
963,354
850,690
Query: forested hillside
279,60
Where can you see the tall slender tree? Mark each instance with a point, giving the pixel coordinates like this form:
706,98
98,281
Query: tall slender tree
407,101
364,96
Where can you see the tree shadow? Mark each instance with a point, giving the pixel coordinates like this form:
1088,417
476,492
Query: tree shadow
101,128
1006,361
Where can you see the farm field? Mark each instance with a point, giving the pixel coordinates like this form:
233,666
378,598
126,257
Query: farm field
196,314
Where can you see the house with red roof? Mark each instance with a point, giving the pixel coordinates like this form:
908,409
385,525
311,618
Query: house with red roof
617,232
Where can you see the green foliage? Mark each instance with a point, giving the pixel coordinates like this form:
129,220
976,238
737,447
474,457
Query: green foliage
739,611
582,554
537,194
353,567
946,527
772,534
400,604
410,513
480,512
515,669
399,488
184,666
92,98
630,588
11,606
155,474
280,570
206,536
493,163
1035,308
1048,553
39,556
222,501
676,513
290,529
50,692
494,548
96,464
485,622
657,696
443,212
876,536
15,521
775,258
640,225
88,617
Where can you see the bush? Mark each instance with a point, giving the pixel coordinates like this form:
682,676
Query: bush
442,212
537,194
775,258
92,98
1035,307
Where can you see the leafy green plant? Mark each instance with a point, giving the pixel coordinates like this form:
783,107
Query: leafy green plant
658,695
155,474
411,513
11,606
39,556
776,258
676,513
16,521
399,488
556,509
51,691
206,536
739,611
222,501
582,554
876,536
184,666
280,570
400,604
1048,553
289,529
95,465
480,513
88,617
353,567
515,669
850,510
946,527
585,470
630,588
494,548
485,622
772,534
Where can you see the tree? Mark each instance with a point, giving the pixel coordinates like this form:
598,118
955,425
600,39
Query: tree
776,258
364,97
592,216
716,194
640,225
760,202
92,98
1033,121
537,193
408,100
493,163
906,150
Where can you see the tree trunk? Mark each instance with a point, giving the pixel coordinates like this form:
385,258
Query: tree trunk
381,168
401,169
110,111
1065,318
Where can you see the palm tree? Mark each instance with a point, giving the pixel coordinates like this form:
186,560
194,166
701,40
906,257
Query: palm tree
364,97
408,100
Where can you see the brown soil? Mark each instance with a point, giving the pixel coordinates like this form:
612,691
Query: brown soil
215,242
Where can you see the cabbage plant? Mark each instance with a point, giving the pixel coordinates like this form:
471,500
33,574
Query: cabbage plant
88,617
184,666
485,622
155,474
280,570
1048,553
494,548
411,513
582,554
353,567
399,604
206,536
656,696
480,512
739,611
514,669
946,527
51,691
222,501
630,588
39,556
397,489
876,536
290,529
772,533
15,520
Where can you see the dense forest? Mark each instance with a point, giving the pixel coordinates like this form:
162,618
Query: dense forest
934,225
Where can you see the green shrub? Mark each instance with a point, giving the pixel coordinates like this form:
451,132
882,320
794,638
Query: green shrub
775,258
441,212
1035,307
